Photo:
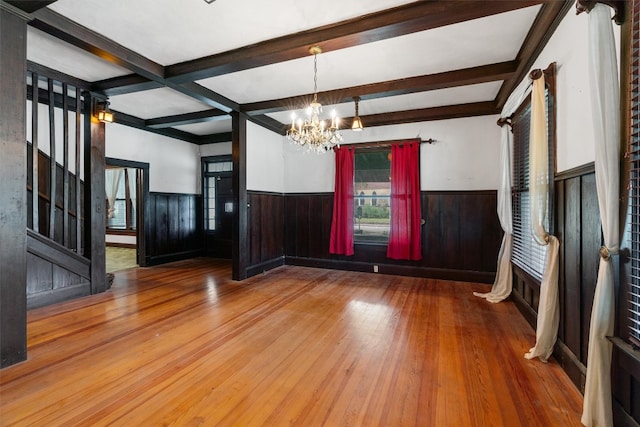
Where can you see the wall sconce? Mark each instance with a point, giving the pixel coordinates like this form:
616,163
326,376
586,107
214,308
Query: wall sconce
357,123
101,112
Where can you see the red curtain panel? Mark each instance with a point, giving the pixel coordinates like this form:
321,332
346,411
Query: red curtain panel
342,223
405,240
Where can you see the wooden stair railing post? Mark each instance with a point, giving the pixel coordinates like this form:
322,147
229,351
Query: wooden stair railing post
94,188
35,188
13,177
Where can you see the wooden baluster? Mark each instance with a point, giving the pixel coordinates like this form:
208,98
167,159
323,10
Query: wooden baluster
35,189
65,165
78,189
52,161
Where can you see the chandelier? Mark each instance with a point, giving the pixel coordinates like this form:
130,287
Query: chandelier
315,134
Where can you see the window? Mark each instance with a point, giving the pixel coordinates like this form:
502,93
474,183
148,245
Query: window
213,169
527,254
372,185
634,196
124,205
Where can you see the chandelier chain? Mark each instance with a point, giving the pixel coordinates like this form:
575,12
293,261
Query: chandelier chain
315,77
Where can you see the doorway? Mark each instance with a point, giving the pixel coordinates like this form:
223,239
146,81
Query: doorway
217,190
126,199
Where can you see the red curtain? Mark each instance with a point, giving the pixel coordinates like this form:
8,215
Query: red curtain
342,223
405,241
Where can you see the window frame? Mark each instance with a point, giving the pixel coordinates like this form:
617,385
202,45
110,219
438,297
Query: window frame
360,199
129,218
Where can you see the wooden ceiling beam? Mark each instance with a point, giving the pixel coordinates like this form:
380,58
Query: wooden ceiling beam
187,119
428,114
398,21
138,123
125,84
463,77
31,5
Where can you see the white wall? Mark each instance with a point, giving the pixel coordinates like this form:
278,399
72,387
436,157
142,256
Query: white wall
174,165
265,159
568,48
463,157
218,149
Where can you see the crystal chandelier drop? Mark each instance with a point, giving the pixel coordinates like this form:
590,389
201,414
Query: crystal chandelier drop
313,133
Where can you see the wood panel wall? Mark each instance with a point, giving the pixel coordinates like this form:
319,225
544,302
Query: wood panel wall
461,237
54,273
266,231
175,227
578,228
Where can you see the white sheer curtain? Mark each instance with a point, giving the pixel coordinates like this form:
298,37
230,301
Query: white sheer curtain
539,178
133,180
111,184
503,282
605,93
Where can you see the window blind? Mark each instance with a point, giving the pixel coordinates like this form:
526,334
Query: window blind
527,253
634,196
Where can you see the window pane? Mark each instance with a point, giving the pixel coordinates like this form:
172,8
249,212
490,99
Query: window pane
372,190
119,219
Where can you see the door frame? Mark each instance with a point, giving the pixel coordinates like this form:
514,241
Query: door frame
142,205
204,161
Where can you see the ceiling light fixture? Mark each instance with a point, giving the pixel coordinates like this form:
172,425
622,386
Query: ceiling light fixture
102,112
357,123
314,133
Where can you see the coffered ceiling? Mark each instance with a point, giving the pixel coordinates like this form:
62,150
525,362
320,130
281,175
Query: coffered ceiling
180,68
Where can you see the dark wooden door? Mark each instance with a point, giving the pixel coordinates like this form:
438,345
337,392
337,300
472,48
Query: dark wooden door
219,241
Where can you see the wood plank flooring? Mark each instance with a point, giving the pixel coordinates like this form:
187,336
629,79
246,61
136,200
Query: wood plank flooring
182,344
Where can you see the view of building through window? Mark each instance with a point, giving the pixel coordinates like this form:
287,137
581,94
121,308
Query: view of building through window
372,189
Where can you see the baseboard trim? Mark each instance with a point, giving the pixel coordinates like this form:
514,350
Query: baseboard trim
570,364
177,256
263,267
399,270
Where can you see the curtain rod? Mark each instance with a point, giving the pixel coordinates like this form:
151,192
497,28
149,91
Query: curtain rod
380,144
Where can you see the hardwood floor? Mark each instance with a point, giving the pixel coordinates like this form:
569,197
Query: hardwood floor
182,344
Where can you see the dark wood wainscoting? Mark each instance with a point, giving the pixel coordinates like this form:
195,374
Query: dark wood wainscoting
54,273
175,227
266,231
461,237
578,228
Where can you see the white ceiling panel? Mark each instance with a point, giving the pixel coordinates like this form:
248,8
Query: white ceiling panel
436,98
207,128
158,102
49,51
